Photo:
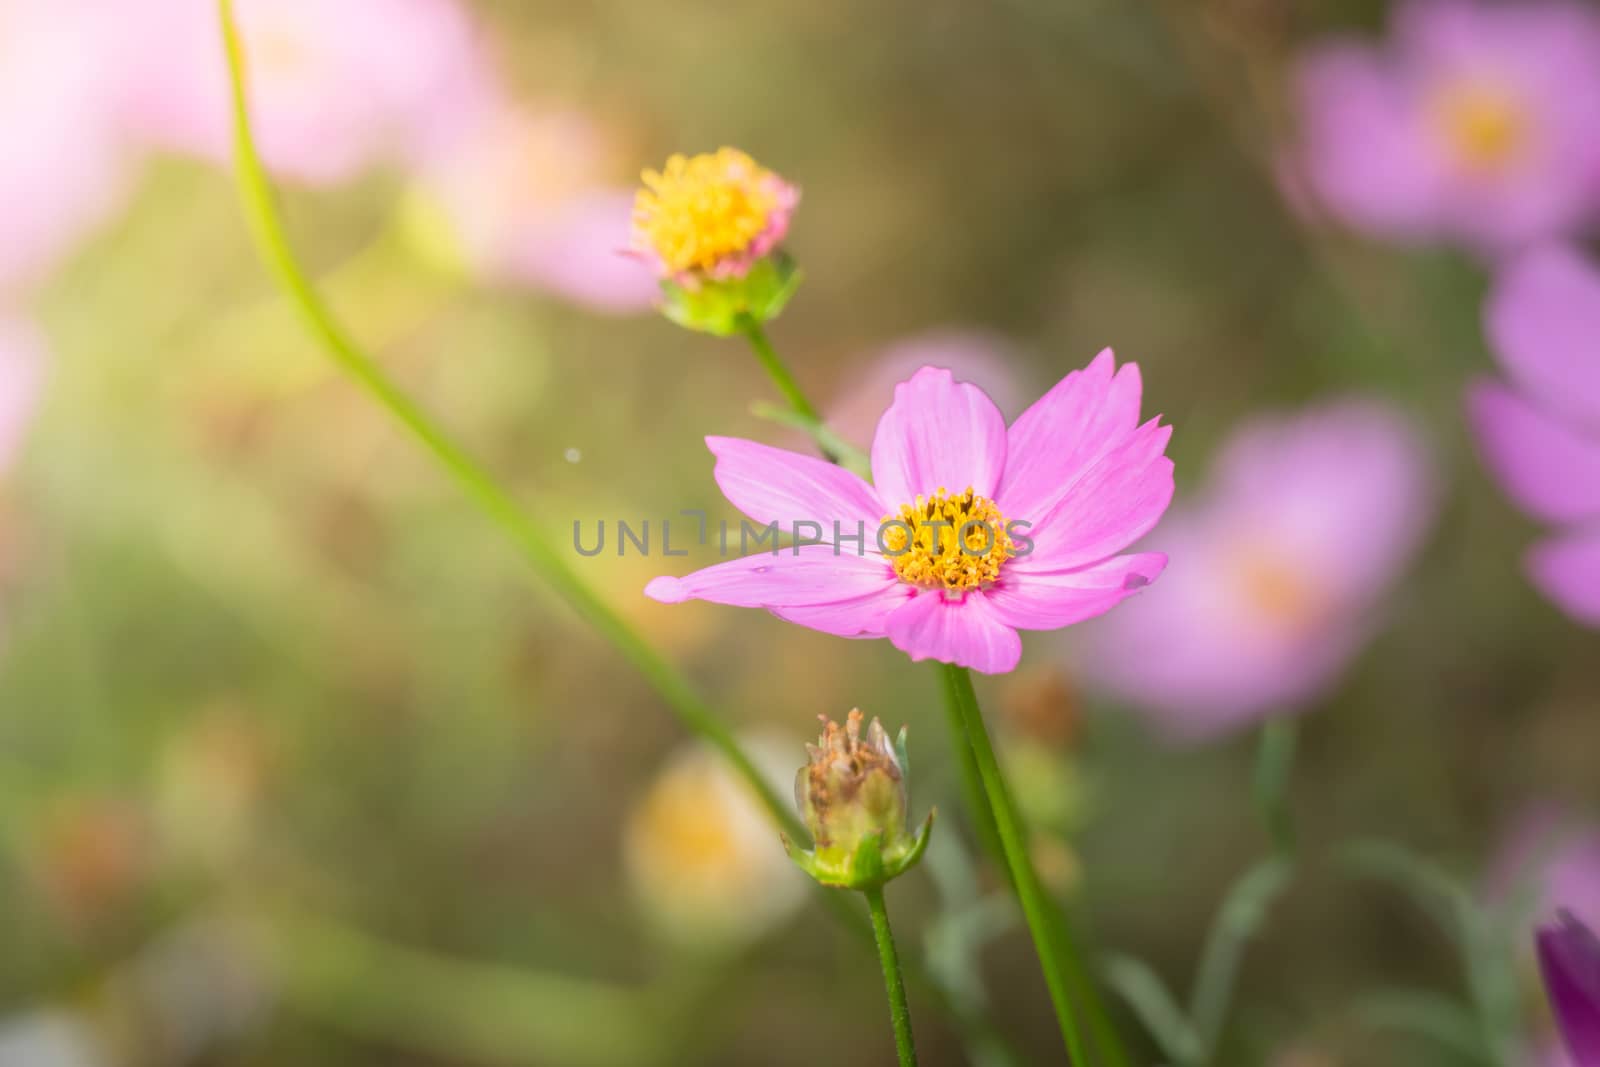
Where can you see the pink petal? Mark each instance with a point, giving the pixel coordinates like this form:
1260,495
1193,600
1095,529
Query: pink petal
1543,320
938,434
1550,469
1112,504
1567,570
1084,416
1051,601
774,485
965,632
578,255
866,616
812,574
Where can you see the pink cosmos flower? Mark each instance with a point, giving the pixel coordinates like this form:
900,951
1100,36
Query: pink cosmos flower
1307,522
525,202
1540,434
1040,511
1477,122
335,87
61,167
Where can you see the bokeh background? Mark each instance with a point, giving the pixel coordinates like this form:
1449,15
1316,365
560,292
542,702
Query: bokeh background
299,765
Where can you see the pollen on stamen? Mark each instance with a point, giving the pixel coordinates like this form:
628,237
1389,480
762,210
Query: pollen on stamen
952,542
711,215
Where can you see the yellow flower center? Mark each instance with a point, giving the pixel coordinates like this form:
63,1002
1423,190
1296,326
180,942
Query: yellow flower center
700,210
684,830
1279,593
1485,126
947,542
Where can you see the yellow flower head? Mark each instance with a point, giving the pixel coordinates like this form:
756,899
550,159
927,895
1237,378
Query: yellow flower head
1486,127
713,215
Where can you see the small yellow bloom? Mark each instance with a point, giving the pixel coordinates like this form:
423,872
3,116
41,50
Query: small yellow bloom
713,215
702,854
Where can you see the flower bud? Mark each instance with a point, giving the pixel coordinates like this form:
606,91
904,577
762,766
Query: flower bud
852,795
711,226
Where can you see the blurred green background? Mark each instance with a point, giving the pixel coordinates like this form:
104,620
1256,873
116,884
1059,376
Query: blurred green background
299,766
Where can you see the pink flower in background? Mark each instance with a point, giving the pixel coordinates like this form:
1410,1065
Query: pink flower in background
1287,555
61,168
1540,434
335,87
983,359
22,363
1477,122
1557,857
972,531
523,198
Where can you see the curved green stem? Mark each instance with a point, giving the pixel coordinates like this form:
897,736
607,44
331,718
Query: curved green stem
899,1013
1049,935
776,369
478,484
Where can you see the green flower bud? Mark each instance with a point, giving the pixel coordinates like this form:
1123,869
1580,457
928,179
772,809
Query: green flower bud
852,795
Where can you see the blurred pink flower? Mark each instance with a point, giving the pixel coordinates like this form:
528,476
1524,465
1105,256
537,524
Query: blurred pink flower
1555,857
335,87
1540,434
523,198
61,167
22,362
1051,501
983,359
1307,522
1477,122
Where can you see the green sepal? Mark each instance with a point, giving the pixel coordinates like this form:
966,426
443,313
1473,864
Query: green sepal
865,868
715,306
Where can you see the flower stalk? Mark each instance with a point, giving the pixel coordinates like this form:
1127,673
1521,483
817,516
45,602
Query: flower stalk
852,793
899,1013
479,485
1049,940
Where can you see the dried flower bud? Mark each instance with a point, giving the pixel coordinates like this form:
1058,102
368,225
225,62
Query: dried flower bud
852,795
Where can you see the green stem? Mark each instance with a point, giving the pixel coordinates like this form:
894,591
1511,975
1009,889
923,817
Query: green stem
1082,987
899,1013
776,369
478,484
1049,935
1270,784
977,800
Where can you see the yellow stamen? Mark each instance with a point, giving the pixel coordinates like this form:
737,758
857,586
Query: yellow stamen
701,210
947,542
1485,126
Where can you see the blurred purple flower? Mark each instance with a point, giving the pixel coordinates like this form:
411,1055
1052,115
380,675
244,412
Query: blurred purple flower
523,200
1308,521
1540,434
1477,122
335,88
62,170
1077,475
1569,957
